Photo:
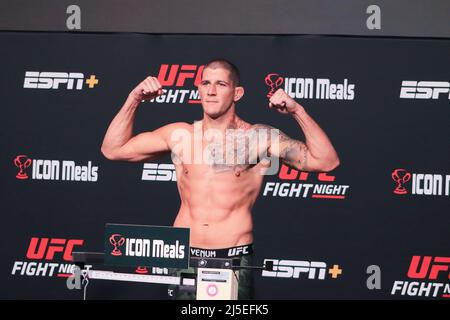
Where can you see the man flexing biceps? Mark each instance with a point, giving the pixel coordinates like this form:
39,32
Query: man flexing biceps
219,188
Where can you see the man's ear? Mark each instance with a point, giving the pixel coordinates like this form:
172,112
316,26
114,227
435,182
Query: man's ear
238,93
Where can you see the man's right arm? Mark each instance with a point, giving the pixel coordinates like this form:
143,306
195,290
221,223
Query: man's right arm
119,143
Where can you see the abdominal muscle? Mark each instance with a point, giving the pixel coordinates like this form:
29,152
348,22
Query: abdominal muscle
217,206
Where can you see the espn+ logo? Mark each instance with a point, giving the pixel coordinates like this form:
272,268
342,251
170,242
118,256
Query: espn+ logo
159,172
293,269
424,89
57,80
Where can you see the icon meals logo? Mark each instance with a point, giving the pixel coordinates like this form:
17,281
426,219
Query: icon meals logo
274,81
400,176
309,88
22,162
65,170
137,247
53,80
421,183
116,240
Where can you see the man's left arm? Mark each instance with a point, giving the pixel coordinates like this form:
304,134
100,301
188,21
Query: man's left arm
316,154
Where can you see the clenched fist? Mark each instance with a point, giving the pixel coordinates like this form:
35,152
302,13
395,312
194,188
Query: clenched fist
148,89
282,102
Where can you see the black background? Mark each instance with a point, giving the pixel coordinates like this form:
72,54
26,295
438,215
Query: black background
373,134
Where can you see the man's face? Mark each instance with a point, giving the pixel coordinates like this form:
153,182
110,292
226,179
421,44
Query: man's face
217,92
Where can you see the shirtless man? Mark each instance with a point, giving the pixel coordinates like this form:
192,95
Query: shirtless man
217,197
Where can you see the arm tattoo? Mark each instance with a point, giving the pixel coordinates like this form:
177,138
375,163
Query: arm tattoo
292,152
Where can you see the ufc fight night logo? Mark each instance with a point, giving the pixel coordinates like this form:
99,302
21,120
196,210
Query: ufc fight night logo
58,80
42,256
184,80
425,90
299,184
428,277
176,75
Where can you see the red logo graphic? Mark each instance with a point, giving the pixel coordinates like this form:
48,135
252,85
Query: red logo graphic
116,240
44,249
141,270
440,264
22,162
274,81
287,173
178,74
322,190
400,176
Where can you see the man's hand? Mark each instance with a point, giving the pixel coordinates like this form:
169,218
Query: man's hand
283,103
148,89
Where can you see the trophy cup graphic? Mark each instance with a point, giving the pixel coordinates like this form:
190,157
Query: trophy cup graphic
400,176
274,81
22,162
116,240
